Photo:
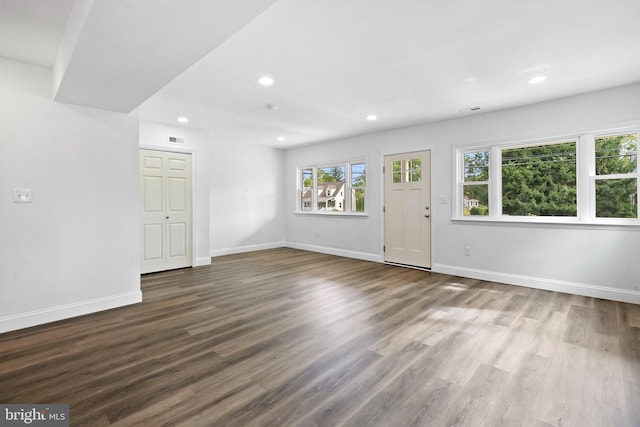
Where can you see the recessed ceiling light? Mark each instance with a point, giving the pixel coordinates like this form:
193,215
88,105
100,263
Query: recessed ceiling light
183,119
537,79
372,117
266,80
281,138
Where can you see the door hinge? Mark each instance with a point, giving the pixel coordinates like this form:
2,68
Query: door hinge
384,248
383,209
383,169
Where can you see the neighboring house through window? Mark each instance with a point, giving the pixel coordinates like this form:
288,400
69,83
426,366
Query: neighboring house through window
322,189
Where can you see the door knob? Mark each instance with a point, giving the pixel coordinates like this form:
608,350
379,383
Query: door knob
166,217
426,216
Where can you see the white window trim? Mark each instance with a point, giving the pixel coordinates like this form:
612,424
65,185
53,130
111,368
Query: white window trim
347,189
585,181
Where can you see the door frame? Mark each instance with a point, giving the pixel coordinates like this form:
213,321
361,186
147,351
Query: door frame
194,202
403,150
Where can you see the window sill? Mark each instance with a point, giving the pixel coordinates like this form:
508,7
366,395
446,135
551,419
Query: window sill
631,224
340,214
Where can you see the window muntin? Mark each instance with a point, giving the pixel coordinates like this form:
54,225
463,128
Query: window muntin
409,170
604,189
616,176
540,180
475,190
333,188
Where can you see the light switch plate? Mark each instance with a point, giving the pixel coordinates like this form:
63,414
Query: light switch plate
22,195
444,199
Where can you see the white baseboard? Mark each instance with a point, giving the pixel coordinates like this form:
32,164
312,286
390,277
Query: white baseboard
249,248
594,291
202,261
53,314
583,289
365,256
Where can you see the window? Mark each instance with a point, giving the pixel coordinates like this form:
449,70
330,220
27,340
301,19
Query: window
589,178
540,180
475,176
616,176
407,170
358,184
306,189
330,182
322,189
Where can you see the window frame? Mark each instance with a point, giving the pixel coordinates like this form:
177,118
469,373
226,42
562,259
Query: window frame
546,142
351,188
585,180
348,187
463,183
593,177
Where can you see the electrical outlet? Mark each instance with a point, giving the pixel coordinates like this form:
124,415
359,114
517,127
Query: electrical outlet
467,250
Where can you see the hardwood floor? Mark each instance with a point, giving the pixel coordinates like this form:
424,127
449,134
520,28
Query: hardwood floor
292,338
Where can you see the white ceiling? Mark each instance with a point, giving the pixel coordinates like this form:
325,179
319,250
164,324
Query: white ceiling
31,30
117,53
336,61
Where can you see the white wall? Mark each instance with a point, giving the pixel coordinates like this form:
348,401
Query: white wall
595,261
247,202
156,136
357,237
75,248
238,191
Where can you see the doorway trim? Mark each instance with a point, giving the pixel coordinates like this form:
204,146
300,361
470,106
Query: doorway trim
403,150
194,200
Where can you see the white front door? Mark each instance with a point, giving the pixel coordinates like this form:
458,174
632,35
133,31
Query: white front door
165,190
407,209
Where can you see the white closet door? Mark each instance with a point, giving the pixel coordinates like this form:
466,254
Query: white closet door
165,189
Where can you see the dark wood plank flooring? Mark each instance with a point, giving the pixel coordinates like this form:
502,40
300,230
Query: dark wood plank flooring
292,338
